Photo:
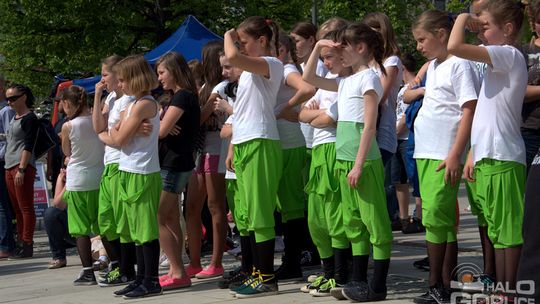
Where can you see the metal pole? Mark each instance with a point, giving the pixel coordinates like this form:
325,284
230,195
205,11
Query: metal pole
314,12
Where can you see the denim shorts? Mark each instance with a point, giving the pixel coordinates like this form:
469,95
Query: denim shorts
399,171
174,181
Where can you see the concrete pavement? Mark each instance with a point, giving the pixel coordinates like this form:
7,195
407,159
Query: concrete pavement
29,281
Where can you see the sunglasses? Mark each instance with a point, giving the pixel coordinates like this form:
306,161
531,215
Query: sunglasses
14,98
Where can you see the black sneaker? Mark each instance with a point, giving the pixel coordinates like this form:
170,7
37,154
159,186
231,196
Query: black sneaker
310,259
396,224
143,291
131,286
357,292
24,251
413,225
232,273
86,277
424,299
288,273
233,282
115,278
337,292
422,264
439,295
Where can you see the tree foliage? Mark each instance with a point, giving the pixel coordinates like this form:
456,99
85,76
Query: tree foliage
43,38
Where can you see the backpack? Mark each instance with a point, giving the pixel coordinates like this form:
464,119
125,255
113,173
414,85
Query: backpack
46,138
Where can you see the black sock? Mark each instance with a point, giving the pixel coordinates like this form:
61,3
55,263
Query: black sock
140,263
116,248
293,243
265,251
85,251
254,255
128,259
247,254
328,267
341,257
360,265
380,272
151,260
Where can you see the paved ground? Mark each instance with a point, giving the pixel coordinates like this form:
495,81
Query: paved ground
29,281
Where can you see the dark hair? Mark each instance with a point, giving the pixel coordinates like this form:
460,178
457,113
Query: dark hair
506,11
409,62
290,48
433,20
257,26
197,71
211,69
381,23
357,32
111,61
305,30
22,89
76,96
179,69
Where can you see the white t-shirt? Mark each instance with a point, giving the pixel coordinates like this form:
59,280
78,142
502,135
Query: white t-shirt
351,92
449,85
290,134
386,133
496,126
326,100
401,107
86,162
255,101
220,90
116,106
226,142
306,128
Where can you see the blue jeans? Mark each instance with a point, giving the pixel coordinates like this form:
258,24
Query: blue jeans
56,226
7,243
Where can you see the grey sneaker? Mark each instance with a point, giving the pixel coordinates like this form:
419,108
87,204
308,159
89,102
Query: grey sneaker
86,277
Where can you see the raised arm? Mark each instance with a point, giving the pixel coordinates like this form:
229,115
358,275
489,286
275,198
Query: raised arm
101,110
310,69
256,65
457,45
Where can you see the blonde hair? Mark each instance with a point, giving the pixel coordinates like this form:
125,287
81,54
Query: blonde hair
137,73
334,23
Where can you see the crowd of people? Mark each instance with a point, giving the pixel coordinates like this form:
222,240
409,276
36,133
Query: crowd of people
318,134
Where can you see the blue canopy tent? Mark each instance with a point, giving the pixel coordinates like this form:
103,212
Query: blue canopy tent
188,40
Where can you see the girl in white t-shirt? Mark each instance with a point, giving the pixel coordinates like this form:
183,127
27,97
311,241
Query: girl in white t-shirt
120,248
83,174
293,91
257,151
359,165
497,159
442,130
391,82
304,35
324,206
139,177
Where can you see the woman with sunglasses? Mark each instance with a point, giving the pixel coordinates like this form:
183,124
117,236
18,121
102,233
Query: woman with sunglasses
21,167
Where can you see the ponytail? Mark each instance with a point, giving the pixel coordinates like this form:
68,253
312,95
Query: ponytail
257,26
76,96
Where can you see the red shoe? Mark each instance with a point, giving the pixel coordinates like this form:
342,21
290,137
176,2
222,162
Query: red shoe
210,272
173,283
164,278
192,271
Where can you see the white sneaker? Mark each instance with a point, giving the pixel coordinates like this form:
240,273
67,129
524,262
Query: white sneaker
164,263
279,244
